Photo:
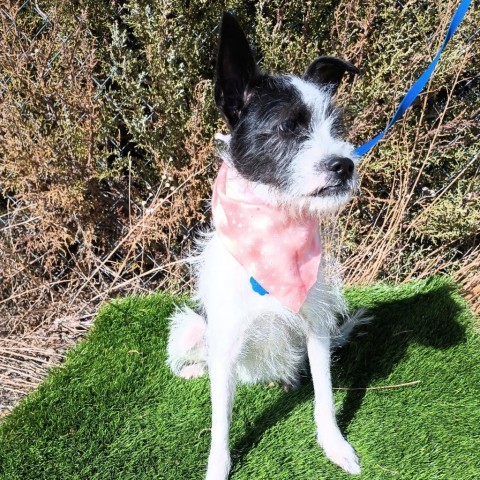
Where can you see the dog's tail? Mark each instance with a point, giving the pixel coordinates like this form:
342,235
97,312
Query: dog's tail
351,321
187,352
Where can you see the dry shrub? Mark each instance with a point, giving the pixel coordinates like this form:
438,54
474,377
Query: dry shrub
419,213
107,157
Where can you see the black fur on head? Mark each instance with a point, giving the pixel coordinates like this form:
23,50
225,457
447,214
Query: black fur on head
328,71
236,68
270,131
285,130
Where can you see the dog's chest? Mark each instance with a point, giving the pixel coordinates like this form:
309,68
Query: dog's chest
271,337
274,348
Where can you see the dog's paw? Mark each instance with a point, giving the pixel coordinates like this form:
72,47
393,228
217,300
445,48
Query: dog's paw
192,371
218,466
340,452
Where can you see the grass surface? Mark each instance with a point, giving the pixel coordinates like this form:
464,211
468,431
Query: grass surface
114,410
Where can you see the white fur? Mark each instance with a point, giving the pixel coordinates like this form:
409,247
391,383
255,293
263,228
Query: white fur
186,345
243,336
321,144
252,338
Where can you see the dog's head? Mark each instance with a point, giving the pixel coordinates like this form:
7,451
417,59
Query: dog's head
286,132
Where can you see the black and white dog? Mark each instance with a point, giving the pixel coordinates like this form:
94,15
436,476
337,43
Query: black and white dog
266,305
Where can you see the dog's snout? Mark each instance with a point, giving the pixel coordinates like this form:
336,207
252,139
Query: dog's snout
342,166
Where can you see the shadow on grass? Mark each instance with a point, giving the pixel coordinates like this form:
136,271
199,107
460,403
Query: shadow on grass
427,318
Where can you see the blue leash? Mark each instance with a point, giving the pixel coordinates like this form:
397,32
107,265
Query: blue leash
417,87
408,99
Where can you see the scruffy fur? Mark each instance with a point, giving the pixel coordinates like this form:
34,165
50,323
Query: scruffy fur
285,138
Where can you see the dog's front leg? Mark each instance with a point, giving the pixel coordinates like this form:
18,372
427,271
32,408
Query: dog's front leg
336,448
222,390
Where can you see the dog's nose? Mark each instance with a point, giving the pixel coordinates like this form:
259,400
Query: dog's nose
342,166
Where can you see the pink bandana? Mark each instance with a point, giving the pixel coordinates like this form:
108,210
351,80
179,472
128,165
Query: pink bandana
281,253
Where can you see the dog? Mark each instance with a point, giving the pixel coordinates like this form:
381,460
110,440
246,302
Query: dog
266,305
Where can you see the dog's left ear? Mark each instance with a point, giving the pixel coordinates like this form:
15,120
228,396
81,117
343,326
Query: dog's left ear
329,71
236,68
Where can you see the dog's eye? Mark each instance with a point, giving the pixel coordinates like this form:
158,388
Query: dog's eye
289,125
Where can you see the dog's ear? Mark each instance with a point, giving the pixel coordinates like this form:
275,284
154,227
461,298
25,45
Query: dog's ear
329,71
236,68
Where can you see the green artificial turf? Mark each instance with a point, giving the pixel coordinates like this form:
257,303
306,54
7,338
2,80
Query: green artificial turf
114,410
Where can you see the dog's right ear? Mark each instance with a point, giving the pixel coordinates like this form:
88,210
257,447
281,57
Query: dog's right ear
236,68
329,71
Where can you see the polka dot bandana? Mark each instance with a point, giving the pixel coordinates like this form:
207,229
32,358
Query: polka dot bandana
281,253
